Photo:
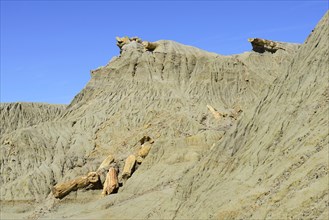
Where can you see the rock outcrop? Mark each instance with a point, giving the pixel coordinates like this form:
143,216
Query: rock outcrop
265,158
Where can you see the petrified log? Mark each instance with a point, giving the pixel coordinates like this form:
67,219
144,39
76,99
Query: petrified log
122,41
129,167
144,150
139,159
106,163
150,46
214,112
261,45
145,139
111,183
63,189
137,39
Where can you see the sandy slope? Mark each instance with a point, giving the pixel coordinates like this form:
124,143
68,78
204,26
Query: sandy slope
268,161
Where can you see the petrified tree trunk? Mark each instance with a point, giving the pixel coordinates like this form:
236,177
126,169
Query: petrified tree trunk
122,41
261,45
129,167
63,189
149,45
143,152
106,163
214,112
111,183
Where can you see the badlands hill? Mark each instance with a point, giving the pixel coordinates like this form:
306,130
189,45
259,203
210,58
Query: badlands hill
230,137
20,115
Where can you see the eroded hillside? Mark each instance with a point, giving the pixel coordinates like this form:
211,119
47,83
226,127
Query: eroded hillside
21,115
243,136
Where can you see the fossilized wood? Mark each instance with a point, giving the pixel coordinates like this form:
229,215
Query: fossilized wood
122,41
144,150
137,39
111,183
150,46
63,189
139,159
262,45
104,167
235,112
145,139
129,167
214,112
106,163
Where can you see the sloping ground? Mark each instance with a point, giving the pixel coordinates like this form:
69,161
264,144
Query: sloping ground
277,165
270,160
20,115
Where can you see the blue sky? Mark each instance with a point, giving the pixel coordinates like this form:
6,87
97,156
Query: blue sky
49,47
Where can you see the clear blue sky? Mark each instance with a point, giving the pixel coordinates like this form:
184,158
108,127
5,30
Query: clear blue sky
49,47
